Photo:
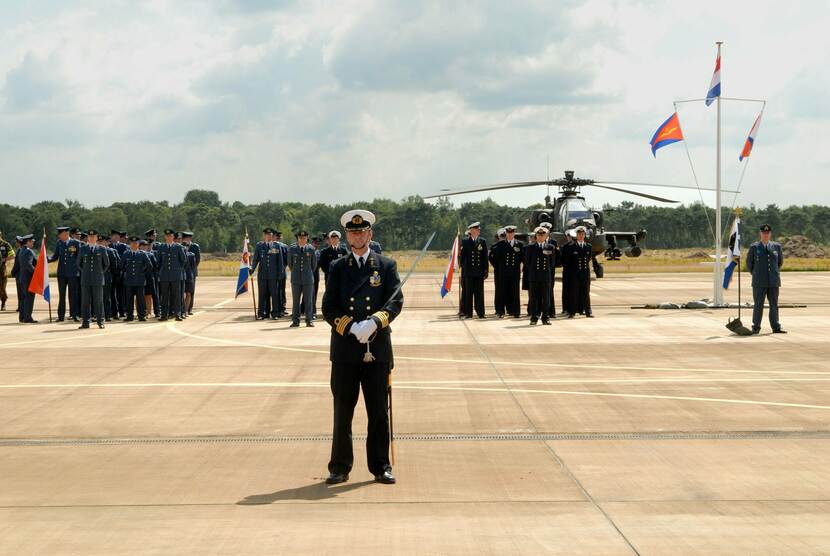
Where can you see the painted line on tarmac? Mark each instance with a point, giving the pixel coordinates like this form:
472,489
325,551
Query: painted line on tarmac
456,389
173,328
410,383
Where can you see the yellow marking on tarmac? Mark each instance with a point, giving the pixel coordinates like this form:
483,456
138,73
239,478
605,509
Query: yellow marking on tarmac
172,326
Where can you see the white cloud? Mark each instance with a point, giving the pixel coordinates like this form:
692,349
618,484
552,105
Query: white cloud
323,101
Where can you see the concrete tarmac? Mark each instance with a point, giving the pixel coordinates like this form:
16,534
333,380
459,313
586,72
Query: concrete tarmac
639,431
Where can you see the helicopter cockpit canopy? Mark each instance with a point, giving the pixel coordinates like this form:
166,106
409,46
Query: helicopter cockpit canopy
574,212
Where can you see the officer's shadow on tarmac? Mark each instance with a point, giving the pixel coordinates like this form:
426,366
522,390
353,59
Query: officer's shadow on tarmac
314,491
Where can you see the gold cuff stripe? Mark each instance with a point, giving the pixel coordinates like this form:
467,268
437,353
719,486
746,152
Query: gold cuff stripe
340,324
383,316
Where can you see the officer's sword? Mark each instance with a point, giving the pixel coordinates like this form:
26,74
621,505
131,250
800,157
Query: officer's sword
369,357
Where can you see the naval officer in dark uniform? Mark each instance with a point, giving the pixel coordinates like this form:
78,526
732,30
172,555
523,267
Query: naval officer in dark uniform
540,258
509,256
474,270
764,261
94,265
331,252
576,275
362,298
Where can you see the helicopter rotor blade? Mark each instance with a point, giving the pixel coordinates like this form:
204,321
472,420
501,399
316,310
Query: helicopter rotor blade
493,187
639,194
672,186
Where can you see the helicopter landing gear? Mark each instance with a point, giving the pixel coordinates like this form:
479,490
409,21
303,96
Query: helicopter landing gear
599,270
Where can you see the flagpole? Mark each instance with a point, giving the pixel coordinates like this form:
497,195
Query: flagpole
738,241
718,271
250,274
46,266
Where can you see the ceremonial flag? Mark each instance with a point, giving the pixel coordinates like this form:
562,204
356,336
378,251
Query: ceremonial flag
452,264
751,139
669,132
714,86
734,252
40,279
244,270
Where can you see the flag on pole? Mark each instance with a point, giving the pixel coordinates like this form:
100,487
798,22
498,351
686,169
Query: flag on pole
452,265
734,252
244,270
750,141
40,279
669,132
714,86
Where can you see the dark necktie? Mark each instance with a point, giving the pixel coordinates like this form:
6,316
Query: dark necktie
360,263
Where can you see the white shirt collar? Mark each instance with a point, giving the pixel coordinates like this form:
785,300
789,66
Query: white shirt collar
364,257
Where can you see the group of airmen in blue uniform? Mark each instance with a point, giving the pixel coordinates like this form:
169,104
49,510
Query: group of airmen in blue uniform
104,279
531,267
299,264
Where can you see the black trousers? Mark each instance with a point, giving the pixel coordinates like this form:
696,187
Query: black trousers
70,285
92,303
579,293
171,297
116,300
269,297
498,292
510,287
346,382
110,303
192,290
156,300
474,296
19,289
28,304
135,295
759,295
539,300
283,300
552,310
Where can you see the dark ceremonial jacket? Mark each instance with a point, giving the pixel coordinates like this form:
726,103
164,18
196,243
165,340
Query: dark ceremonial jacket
329,254
268,261
540,260
576,260
197,253
134,268
66,253
474,258
190,267
354,294
507,259
26,262
171,261
765,264
93,264
149,273
115,266
303,263
375,246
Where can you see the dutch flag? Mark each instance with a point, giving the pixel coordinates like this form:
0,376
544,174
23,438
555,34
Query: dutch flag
734,253
244,270
714,86
452,265
750,141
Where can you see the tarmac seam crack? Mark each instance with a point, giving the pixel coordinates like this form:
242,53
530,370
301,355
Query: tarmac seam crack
547,445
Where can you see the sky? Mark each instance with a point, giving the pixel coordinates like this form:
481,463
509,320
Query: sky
105,101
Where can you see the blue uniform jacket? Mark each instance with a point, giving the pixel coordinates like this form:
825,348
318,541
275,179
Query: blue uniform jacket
765,265
171,261
93,264
66,253
268,261
135,266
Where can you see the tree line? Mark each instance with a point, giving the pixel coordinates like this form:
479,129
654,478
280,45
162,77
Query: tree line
220,226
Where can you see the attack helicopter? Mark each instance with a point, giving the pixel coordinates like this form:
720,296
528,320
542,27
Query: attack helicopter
570,210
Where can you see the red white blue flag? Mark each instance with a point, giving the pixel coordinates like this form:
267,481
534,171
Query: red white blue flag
40,279
714,86
452,265
669,132
244,270
734,253
750,141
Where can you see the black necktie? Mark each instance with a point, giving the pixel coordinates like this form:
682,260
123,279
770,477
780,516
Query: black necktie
360,263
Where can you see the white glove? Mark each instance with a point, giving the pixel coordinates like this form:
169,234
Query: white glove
357,330
369,327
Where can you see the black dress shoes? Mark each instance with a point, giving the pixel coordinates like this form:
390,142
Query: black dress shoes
294,325
337,478
386,478
779,331
101,325
546,321
84,325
